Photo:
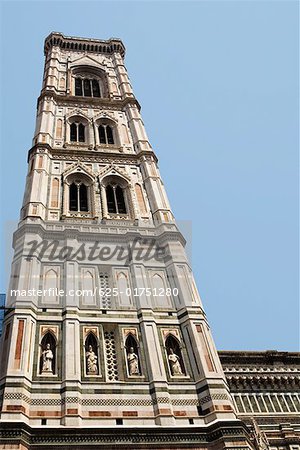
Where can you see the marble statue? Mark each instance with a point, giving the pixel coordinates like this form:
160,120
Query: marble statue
91,361
133,362
47,360
174,363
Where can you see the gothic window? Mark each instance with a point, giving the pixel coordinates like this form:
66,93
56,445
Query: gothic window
115,200
87,87
48,355
81,133
77,132
111,204
78,200
78,86
106,134
95,88
174,355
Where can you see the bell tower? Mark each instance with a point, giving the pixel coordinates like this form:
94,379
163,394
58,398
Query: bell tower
105,332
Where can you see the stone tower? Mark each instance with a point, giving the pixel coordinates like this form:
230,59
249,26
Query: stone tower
105,333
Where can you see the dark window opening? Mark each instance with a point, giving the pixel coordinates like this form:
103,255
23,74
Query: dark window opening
77,132
78,86
73,132
81,132
109,134
120,200
96,89
87,88
83,198
119,421
106,135
78,197
111,205
102,136
73,197
115,200
191,421
44,421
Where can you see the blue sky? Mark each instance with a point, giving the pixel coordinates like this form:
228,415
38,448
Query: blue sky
218,85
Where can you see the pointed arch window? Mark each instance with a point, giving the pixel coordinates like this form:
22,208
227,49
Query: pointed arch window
78,86
115,200
77,132
95,88
78,200
106,135
86,87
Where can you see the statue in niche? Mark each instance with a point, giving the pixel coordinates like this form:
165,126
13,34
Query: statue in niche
91,361
133,362
174,363
47,356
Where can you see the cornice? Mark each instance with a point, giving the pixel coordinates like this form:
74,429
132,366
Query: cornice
94,155
268,358
127,232
77,44
258,383
125,437
87,102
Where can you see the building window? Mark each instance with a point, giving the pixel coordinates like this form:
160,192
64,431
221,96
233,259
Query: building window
77,132
78,197
86,87
106,134
115,200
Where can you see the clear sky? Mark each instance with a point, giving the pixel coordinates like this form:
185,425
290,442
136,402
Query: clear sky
218,85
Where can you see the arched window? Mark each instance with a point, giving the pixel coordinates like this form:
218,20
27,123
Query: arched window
78,200
87,87
111,204
77,132
96,88
48,355
78,86
83,197
174,355
73,197
81,133
121,207
115,200
106,134
73,132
